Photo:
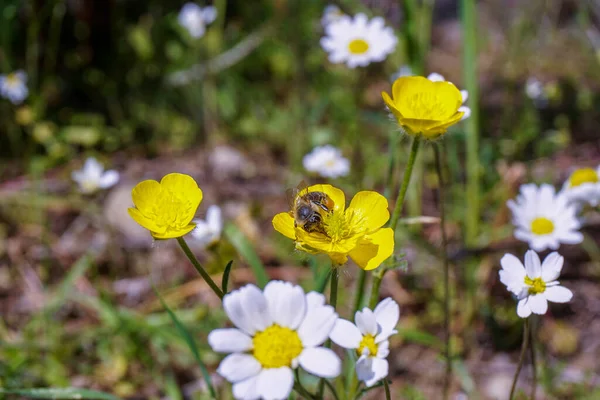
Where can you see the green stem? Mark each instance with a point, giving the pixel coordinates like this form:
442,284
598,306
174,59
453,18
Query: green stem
378,274
386,386
298,387
360,289
199,267
521,358
447,332
333,291
331,389
533,362
469,26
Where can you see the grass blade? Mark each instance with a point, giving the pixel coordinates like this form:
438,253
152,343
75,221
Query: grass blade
247,252
60,393
225,280
191,344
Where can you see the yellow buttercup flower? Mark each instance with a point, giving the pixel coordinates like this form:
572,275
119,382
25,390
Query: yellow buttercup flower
424,107
355,231
167,208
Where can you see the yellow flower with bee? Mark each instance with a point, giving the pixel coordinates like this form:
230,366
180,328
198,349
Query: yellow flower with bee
336,230
166,208
423,107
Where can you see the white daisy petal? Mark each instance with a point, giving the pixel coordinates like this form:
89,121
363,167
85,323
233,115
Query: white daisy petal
538,304
523,309
383,349
287,303
275,383
552,266
321,362
317,326
233,305
246,389
558,294
345,334
533,266
366,322
387,314
379,367
108,179
229,341
364,368
314,300
238,367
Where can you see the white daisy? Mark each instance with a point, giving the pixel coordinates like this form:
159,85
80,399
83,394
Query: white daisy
276,331
534,89
543,218
92,177
435,77
195,18
326,161
209,231
13,87
583,186
535,284
358,41
330,14
370,339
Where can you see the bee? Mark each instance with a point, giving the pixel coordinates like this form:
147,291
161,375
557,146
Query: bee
308,208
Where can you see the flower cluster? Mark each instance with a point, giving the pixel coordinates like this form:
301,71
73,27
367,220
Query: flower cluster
282,328
545,219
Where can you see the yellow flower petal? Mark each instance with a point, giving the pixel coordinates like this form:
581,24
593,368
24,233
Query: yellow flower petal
335,194
174,233
370,209
184,187
374,249
145,193
284,224
144,221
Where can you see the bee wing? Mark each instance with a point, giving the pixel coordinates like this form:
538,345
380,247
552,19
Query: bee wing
293,193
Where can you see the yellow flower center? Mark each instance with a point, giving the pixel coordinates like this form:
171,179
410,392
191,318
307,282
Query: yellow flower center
542,226
358,46
12,79
536,285
170,212
367,342
89,186
276,346
583,175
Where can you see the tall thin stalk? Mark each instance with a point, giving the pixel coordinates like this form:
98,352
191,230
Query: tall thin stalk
199,267
447,308
378,274
521,358
469,26
533,362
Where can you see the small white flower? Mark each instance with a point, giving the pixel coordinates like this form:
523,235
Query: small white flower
534,89
208,231
326,161
435,77
583,186
276,331
358,41
543,218
370,339
535,284
404,70
92,177
195,18
13,86
330,14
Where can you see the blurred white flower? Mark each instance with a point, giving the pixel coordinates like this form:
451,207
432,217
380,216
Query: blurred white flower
326,161
330,14
208,231
358,41
435,77
276,331
583,186
404,70
13,86
544,218
535,284
534,89
370,339
195,18
92,177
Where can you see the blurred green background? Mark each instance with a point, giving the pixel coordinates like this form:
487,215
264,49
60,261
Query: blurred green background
237,109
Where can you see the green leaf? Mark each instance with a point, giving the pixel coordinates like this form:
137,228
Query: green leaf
60,393
225,280
191,344
247,252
